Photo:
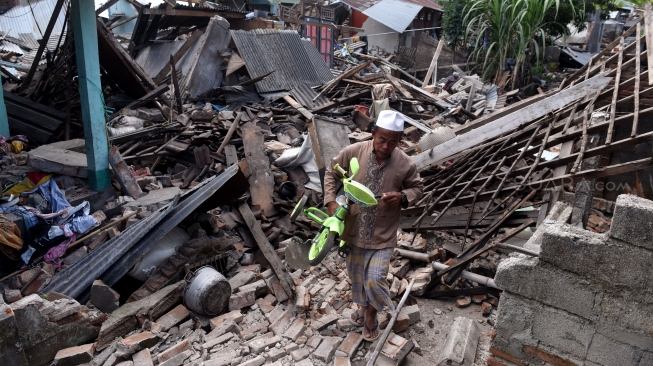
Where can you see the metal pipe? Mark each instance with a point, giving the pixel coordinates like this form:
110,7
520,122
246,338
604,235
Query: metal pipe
482,280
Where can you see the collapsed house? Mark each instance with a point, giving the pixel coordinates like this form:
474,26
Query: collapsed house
217,125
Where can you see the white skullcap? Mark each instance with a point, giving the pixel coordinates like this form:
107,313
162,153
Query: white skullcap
391,120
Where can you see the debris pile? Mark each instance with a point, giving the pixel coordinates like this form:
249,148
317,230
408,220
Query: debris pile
217,126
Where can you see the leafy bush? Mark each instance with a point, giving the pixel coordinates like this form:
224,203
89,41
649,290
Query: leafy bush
505,29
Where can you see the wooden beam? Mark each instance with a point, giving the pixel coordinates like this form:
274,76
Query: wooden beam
44,42
122,22
192,13
260,179
638,51
317,24
434,64
617,80
175,84
267,249
648,24
293,103
105,6
508,123
344,100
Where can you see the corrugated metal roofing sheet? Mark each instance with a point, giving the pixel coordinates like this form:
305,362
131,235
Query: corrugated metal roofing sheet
304,94
362,5
29,39
295,67
29,18
395,14
257,61
319,66
301,59
10,47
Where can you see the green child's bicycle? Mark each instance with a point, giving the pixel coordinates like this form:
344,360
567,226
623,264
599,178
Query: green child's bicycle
312,252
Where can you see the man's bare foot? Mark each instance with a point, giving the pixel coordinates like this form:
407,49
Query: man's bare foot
371,328
358,317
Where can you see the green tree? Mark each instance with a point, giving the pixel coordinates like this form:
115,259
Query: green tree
503,29
453,22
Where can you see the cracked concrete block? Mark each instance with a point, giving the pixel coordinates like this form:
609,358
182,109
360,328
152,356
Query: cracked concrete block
125,319
607,351
460,345
11,352
537,280
590,255
632,221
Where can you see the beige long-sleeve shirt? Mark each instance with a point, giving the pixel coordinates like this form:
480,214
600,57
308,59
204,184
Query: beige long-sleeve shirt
375,227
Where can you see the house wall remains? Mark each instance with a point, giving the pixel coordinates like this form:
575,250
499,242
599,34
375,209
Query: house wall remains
587,299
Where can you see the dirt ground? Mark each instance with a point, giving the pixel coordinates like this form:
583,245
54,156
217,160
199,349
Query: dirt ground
430,332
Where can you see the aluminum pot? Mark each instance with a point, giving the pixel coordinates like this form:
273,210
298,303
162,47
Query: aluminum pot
207,291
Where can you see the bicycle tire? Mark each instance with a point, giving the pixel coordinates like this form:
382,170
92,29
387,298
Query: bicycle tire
325,250
298,208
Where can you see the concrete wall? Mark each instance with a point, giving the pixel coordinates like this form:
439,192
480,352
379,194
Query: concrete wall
388,42
587,299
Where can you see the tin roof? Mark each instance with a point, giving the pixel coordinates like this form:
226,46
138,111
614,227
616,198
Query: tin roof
395,14
32,18
362,5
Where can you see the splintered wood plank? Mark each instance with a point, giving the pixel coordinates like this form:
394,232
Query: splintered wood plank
508,122
648,23
293,103
434,65
124,174
261,181
638,53
328,140
267,249
617,80
230,155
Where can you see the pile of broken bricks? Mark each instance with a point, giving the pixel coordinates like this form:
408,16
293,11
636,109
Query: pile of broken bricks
261,326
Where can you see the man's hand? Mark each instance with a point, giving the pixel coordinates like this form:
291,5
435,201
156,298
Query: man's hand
392,198
333,206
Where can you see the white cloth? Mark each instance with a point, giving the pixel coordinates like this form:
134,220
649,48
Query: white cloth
305,157
391,120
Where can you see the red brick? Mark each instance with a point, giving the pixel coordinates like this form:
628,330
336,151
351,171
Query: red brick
173,317
486,308
351,343
75,355
463,302
35,284
341,361
136,342
143,358
242,299
174,351
326,349
491,361
235,316
547,357
296,329
505,356
12,295
155,327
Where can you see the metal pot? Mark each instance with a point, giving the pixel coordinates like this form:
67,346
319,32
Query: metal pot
287,190
207,291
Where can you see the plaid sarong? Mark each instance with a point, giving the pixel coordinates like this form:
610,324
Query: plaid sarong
367,270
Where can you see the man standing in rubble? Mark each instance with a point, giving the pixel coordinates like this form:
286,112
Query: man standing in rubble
371,232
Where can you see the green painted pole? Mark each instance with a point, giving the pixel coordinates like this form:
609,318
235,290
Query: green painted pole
4,121
88,68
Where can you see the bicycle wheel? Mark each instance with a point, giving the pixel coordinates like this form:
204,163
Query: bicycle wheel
321,246
298,208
